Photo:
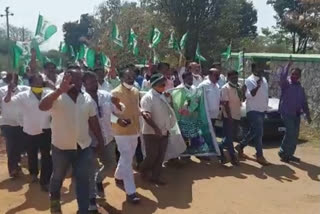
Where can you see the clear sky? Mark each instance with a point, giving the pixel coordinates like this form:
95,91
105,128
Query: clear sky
60,11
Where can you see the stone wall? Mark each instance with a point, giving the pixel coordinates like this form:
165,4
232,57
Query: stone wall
310,81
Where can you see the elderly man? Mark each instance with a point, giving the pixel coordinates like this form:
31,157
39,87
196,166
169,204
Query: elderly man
159,121
73,114
212,93
195,69
293,103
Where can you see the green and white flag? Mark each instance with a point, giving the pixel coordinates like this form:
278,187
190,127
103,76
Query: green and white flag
183,41
115,35
198,56
105,60
156,37
227,53
241,62
63,48
133,42
44,30
173,43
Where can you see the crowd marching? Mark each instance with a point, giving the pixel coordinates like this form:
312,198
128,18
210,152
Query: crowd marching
80,119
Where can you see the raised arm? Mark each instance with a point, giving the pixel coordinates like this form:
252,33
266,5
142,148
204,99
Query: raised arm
284,76
47,102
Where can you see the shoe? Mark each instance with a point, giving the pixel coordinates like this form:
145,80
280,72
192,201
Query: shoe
235,161
133,199
294,159
93,205
100,190
203,158
263,161
119,182
240,152
34,179
45,188
55,206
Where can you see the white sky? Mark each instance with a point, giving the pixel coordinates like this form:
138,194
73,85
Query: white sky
60,11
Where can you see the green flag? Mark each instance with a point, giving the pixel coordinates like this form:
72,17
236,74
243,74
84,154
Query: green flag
173,43
183,41
17,51
241,59
91,58
198,56
156,37
63,48
133,42
115,36
106,62
83,51
227,53
44,30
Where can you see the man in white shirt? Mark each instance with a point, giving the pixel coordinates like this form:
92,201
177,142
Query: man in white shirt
231,98
73,114
156,126
36,128
50,75
195,69
257,104
11,126
100,164
212,93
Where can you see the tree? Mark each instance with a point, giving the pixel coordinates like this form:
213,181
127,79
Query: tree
210,22
298,19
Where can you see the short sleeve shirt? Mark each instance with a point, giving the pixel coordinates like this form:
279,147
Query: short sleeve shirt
230,94
70,121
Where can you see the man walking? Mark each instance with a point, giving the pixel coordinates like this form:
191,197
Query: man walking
231,98
159,121
256,106
126,131
11,124
36,129
73,113
293,103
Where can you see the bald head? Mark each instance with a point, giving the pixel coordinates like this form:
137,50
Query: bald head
214,75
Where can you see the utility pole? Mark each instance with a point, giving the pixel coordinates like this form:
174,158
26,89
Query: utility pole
7,14
23,34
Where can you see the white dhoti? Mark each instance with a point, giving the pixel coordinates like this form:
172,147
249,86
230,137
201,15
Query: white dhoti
127,147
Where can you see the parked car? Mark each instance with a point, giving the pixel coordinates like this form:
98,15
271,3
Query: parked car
273,124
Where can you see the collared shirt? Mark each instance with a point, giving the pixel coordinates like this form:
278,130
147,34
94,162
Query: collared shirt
70,121
109,84
33,120
259,102
161,113
212,94
293,100
230,94
10,114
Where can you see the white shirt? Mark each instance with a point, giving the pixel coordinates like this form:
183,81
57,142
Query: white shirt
197,80
106,86
160,110
212,94
260,101
181,71
33,120
70,121
222,81
104,111
10,114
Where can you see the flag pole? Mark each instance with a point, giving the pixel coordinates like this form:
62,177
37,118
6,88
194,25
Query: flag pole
243,71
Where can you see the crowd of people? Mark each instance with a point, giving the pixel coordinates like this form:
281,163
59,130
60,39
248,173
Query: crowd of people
79,118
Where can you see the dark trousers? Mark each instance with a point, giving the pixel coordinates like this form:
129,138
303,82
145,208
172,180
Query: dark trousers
80,160
156,147
290,139
14,145
230,129
138,153
35,143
